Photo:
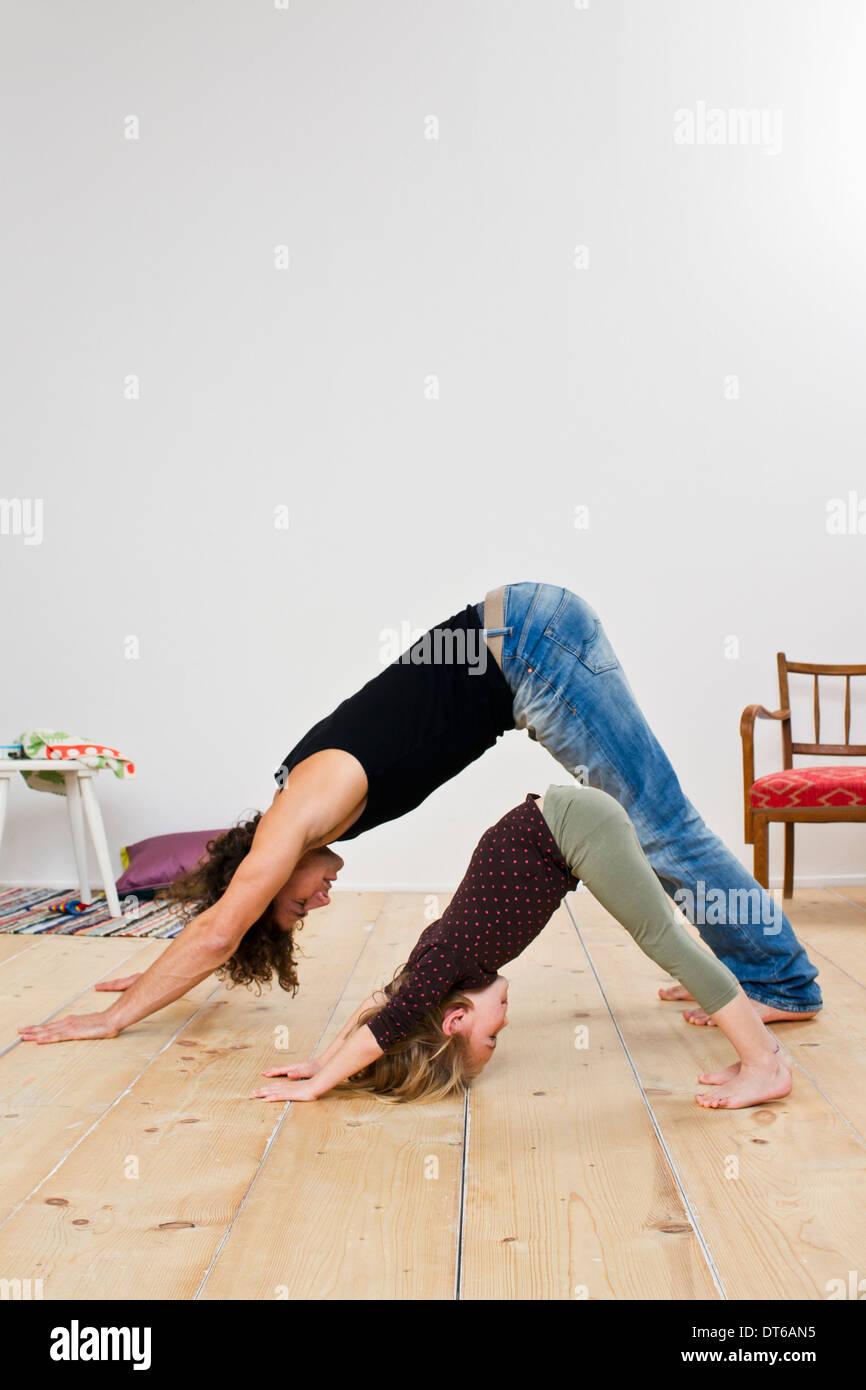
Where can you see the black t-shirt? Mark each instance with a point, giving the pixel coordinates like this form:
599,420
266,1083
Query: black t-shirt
418,723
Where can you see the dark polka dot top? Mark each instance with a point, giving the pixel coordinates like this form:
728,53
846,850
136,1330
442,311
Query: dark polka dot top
516,879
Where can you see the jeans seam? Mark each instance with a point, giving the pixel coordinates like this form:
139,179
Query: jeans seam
526,621
572,711
581,655
544,681
560,607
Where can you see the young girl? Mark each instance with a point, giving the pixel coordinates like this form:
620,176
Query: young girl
434,1027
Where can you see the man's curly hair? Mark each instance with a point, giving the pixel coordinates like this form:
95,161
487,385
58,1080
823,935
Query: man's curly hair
264,950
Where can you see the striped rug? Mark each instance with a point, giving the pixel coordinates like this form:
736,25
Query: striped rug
48,912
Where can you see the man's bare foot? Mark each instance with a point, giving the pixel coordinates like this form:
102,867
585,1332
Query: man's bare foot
765,1013
743,1086
718,1078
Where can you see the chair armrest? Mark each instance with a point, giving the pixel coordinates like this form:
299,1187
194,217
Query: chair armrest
753,712
747,734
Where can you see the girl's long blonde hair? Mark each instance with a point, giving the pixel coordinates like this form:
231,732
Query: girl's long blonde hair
428,1065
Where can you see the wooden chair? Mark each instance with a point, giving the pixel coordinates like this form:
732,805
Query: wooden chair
805,793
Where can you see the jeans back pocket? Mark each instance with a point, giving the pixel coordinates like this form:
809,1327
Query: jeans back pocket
577,628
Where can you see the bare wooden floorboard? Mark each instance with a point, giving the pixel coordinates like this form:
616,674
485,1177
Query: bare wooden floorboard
356,1199
794,1216
834,933
854,892
831,925
139,1208
31,993
12,945
831,1048
569,1193
51,1094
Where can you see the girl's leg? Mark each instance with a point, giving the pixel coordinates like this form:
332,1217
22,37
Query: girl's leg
599,844
601,848
572,695
759,1076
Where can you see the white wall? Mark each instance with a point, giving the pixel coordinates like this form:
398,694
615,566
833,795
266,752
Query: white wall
604,386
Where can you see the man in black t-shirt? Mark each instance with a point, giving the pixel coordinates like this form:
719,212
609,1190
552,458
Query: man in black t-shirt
424,718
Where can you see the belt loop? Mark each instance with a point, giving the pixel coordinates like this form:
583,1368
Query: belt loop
494,617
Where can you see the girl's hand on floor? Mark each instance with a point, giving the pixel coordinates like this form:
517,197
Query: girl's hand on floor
73,1027
296,1070
120,984
285,1090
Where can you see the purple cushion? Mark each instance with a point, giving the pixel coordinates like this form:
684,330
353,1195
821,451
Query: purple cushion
156,862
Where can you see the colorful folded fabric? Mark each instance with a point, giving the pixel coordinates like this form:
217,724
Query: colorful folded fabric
67,906
58,746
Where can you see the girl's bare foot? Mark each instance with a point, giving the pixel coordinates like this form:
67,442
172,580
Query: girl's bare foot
746,1085
765,1013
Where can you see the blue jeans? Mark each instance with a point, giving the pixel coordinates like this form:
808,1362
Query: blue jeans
572,696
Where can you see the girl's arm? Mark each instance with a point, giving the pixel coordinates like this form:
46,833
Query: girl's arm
372,1001
298,1070
357,1052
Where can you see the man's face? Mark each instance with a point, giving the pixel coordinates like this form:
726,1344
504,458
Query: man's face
309,887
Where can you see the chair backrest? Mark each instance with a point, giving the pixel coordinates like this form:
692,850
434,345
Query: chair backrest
837,750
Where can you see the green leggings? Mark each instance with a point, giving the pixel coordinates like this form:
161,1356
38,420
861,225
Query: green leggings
601,848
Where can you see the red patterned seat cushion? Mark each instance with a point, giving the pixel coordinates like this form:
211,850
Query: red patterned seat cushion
809,786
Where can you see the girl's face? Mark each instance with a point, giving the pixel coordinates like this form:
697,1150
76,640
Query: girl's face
481,1024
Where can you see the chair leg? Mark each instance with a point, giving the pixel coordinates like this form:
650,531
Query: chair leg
100,844
788,890
762,851
748,831
5,779
79,844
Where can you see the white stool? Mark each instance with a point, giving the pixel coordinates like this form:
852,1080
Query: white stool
79,792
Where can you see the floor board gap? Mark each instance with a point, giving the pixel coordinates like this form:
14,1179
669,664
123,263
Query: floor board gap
277,1127
107,1111
705,1250
461,1209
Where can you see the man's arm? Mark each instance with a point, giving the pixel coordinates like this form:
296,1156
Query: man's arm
322,797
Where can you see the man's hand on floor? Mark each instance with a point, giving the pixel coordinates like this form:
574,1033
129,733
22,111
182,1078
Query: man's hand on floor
76,1026
73,1027
120,984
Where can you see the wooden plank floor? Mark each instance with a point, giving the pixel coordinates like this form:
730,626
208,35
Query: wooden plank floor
579,1167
